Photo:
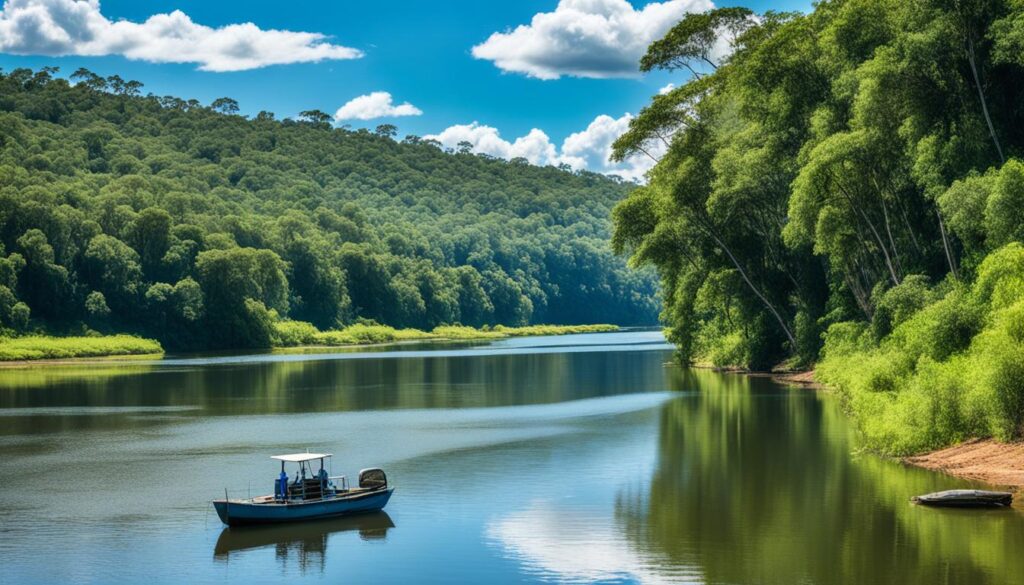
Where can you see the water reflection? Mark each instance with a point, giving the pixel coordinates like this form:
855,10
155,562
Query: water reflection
577,546
758,484
303,544
556,467
470,379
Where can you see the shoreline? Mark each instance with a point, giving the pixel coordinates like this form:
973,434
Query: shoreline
316,348
95,360
804,378
985,460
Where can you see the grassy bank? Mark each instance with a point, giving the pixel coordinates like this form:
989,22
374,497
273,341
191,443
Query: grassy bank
288,334
41,347
298,333
938,365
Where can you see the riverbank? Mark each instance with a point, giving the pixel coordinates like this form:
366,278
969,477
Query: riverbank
40,350
797,377
301,335
45,347
985,460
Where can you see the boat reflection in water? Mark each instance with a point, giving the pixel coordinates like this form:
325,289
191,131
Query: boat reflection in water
304,542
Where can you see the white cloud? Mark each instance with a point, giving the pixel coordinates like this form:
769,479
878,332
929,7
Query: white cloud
666,89
589,149
585,38
374,105
77,27
535,147
592,149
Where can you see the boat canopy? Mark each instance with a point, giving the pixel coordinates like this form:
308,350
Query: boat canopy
300,457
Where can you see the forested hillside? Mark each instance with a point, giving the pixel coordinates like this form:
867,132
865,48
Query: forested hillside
847,184
200,227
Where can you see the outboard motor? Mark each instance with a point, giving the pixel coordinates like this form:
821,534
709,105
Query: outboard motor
373,479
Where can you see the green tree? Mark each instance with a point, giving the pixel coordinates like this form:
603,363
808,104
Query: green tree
241,286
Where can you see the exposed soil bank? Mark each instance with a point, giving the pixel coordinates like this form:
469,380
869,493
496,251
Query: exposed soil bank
982,459
799,378
804,378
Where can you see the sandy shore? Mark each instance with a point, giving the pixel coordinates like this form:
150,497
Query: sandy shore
986,460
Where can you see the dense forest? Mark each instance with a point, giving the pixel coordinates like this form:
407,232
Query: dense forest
203,228
846,186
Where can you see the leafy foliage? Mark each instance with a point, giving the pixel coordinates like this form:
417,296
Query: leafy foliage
851,175
197,226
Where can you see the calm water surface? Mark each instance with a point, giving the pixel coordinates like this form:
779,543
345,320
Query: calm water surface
564,459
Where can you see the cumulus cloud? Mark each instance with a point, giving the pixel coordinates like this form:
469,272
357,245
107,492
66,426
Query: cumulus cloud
585,38
588,149
535,147
592,149
375,105
77,27
666,89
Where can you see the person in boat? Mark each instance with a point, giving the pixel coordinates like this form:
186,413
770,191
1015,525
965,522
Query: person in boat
296,503
322,476
282,484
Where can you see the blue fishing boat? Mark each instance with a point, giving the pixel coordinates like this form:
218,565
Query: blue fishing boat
309,495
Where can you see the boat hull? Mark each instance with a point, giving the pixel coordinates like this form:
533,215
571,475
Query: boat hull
245,512
965,499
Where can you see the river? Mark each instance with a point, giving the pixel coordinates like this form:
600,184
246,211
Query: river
583,458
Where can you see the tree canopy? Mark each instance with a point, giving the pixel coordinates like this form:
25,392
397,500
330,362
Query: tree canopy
848,177
200,227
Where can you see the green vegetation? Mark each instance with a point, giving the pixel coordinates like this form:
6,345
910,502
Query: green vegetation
810,494
952,368
38,347
204,229
285,334
849,177
296,333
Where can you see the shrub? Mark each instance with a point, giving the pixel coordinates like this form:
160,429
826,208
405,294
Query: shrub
293,333
35,347
953,369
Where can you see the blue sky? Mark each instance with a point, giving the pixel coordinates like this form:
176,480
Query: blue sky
421,53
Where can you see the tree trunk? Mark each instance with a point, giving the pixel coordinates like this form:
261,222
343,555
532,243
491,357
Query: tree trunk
945,245
892,242
858,293
981,96
753,287
878,238
910,230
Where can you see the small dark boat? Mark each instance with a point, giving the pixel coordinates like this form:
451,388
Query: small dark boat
965,499
310,496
